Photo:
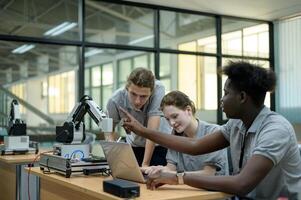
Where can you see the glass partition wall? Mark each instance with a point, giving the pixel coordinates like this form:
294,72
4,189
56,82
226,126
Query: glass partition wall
53,52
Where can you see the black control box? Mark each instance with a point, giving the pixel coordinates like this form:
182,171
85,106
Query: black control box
121,188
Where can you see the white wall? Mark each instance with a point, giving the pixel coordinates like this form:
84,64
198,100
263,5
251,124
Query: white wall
34,97
288,69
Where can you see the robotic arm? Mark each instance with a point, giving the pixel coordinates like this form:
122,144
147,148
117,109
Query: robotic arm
73,130
16,127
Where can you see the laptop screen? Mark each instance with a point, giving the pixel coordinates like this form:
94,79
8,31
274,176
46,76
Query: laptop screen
122,161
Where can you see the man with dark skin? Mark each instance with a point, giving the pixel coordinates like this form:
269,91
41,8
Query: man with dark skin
264,149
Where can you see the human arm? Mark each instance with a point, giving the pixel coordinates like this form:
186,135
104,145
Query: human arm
154,119
208,170
111,136
209,143
155,169
153,123
241,184
170,166
176,163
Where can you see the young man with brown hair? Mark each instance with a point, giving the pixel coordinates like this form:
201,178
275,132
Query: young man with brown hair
141,97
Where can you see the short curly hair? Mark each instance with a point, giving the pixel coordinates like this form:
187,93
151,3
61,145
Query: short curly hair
250,78
141,77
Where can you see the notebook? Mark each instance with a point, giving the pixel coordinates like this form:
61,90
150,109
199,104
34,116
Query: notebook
122,161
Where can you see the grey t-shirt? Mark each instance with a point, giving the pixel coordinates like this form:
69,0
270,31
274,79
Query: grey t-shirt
185,162
273,137
151,108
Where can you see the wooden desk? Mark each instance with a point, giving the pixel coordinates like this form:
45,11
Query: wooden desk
10,175
81,187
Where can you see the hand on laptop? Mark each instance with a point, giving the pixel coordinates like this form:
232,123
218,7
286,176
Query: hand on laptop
130,123
160,178
143,169
151,170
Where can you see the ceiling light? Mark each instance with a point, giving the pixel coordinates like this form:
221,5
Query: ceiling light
93,52
23,48
141,39
63,27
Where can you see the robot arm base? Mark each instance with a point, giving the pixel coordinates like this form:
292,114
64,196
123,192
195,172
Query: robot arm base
17,130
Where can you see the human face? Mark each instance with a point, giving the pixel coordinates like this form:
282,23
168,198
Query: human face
138,96
230,102
178,119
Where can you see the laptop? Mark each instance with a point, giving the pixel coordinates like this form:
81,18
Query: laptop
122,161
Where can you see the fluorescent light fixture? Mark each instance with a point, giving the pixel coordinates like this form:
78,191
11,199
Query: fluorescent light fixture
141,39
63,27
93,52
23,48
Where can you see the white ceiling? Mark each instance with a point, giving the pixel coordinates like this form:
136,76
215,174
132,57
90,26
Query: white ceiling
257,9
